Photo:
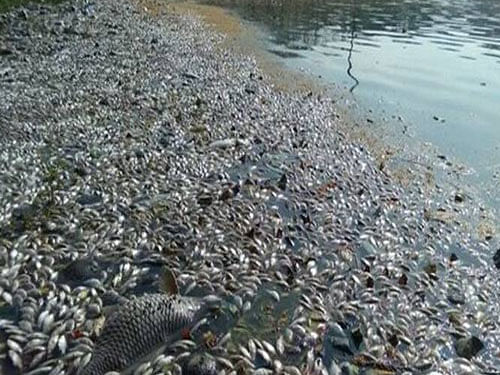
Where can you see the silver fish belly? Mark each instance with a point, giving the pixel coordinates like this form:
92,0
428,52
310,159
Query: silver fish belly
136,328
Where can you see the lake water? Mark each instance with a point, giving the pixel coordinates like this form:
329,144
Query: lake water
429,67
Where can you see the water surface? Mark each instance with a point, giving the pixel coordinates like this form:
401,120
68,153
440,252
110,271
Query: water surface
432,67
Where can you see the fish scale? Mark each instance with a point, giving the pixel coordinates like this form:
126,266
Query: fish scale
136,328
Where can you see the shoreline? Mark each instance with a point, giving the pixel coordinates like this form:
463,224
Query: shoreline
138,138
440,174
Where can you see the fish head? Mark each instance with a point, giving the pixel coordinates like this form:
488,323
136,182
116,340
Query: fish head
199,307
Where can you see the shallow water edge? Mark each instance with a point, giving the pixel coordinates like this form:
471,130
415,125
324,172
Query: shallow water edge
405,159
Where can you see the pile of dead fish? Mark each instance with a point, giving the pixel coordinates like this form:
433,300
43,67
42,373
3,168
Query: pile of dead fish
131,143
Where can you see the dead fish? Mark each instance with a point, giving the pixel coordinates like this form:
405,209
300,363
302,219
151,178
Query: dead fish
138,326
229,142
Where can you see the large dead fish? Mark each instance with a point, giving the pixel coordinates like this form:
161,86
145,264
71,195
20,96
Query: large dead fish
137,327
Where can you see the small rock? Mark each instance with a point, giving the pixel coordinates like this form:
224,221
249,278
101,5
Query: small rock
459,198
468,347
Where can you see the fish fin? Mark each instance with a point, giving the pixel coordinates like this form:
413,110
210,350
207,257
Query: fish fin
168,282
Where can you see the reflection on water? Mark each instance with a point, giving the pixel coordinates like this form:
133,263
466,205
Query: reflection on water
434,63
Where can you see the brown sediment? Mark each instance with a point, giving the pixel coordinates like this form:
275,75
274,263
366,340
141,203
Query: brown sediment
216,17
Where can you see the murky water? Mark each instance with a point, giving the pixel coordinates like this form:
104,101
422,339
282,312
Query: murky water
431,67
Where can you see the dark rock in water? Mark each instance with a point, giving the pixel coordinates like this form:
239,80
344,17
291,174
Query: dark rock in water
459,198
453,257
468,347
496,259
285,54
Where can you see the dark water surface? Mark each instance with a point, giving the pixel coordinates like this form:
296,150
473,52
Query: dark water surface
432,67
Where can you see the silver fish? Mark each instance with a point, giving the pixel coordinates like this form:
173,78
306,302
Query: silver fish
137,327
